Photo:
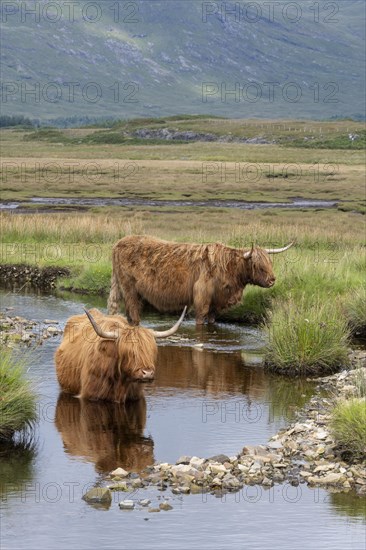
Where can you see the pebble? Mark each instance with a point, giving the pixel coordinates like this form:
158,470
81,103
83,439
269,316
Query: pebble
165,506
120,472
98,494
127,505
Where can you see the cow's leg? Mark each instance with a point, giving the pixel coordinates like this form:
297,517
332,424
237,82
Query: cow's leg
211,317
115,296
132,302
202,298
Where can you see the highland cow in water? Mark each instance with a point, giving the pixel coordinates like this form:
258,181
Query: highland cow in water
103,357
209,277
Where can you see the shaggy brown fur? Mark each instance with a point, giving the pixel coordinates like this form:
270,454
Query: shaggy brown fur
108,434
211,277
95,368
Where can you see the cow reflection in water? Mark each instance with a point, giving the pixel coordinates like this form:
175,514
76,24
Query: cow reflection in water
108,434
215,373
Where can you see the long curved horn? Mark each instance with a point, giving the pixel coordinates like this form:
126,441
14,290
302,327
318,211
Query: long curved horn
278,250
169,332
98,330
248,254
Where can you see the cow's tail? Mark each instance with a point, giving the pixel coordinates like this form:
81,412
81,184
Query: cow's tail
115,296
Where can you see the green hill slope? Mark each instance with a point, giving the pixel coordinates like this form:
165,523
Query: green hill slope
156,58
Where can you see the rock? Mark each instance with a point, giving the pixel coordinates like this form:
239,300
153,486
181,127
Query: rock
216,482
137,483
195,489
122,486
324,468
329,479
217,468
219,458
255,467
257,450
360,481
144,502
196,462
184,489
152,510
268,482
127,505
120,472
275,445
165,506
184,460
321,434
98,494
50,322
52,330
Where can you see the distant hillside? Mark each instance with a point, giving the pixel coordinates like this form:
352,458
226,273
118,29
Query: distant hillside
157,58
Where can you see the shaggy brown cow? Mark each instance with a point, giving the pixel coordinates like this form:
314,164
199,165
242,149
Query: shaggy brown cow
110,365
211,277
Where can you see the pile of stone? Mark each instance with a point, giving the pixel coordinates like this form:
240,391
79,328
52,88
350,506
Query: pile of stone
16,330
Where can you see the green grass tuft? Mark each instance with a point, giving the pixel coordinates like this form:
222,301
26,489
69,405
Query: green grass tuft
306,337
355,309
17,399
348,424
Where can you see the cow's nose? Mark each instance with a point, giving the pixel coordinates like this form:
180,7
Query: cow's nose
272,281
147,374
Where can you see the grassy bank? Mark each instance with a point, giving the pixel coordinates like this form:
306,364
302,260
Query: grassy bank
18,400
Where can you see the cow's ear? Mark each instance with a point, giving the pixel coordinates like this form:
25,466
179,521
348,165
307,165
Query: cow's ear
108,347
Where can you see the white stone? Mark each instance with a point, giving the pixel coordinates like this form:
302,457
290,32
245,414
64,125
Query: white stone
119,472
321,434
217,468
127,505
196,461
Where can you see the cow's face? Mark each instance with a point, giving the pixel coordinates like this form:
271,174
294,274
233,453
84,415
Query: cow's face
260,268
137,353
133,348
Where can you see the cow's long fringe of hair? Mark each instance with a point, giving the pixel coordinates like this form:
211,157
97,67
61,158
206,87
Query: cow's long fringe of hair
97,368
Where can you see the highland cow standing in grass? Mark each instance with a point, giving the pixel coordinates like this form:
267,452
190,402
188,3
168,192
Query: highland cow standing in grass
209,277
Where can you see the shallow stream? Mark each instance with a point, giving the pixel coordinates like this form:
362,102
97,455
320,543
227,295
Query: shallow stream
205,400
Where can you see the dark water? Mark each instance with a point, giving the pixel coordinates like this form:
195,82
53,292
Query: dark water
76,202
202,402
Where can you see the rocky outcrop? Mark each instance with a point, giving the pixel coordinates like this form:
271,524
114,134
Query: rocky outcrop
175,135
